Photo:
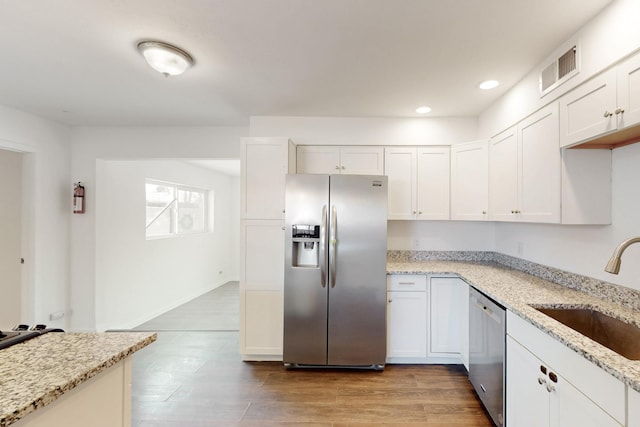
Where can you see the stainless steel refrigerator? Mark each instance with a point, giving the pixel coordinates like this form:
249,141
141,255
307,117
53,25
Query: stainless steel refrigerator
335,271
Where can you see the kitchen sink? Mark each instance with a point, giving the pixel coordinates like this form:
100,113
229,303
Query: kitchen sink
616,335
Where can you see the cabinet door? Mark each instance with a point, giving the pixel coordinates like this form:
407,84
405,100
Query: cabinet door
539,167
527,398
264,164
503,176
362,160
629,92
446,295
469,181
589,110
569,407
633,407
433,166
400,168
261,324
262,263
317,159
406,324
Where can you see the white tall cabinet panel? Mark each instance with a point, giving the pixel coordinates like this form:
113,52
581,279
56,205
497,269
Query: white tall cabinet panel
470,181
349,160
633,408
264,164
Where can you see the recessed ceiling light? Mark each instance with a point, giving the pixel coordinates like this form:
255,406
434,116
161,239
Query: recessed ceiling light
489,84
165,58
423,110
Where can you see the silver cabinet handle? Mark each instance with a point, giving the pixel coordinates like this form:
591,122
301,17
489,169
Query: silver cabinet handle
419,212
323,247
333,247
619,110
484,212
406,283
337,167
343,168
607,113
390,300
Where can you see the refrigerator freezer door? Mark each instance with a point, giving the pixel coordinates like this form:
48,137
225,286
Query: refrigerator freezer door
305,297
357,298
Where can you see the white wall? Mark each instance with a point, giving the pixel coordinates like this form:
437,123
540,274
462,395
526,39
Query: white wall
138,279
10,237
612,35
92,144
366,131
46,208
440,235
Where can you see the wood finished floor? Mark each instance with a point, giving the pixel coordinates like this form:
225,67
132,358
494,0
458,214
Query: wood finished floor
196,378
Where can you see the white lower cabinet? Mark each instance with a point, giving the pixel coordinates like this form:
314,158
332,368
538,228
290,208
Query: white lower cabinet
633,408
447,317
406,318
427,319
262,324
550,385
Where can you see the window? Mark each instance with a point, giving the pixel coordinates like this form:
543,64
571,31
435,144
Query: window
174,209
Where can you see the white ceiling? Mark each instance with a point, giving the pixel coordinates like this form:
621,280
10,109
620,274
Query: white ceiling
75,61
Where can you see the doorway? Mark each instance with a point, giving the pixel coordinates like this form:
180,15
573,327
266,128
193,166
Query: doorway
10,237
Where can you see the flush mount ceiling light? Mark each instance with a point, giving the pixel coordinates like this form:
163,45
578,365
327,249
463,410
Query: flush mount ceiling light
489,84
423,110
165,58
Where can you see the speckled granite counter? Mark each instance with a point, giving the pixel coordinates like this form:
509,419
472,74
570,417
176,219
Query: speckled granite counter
37,372
519,291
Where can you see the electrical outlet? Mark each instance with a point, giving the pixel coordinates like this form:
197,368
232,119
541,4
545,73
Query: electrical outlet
520,248
416,243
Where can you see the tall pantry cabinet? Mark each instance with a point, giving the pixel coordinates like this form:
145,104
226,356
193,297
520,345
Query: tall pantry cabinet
264,164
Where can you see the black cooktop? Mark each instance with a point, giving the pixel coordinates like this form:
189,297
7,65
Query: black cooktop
22,333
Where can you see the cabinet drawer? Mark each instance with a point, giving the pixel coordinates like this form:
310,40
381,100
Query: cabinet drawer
406,282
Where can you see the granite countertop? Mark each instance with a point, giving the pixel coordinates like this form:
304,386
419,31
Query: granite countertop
36,372
519,291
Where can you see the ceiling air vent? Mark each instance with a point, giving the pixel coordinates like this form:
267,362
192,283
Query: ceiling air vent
558,71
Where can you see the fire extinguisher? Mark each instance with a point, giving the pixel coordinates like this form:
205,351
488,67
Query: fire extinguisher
78,198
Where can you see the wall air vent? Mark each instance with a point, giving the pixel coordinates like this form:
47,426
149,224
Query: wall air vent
560,70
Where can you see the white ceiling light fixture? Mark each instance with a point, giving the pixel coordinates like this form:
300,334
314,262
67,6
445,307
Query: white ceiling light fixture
489,84
423,110
166,59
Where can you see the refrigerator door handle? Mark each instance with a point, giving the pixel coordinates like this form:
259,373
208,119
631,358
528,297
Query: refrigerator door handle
332,246
323,247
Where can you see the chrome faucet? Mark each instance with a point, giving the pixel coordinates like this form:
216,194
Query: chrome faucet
613,266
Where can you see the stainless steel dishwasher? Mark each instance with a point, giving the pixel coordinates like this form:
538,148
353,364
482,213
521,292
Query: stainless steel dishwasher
487,352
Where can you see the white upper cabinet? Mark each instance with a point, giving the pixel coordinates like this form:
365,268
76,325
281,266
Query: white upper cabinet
418,182
503,175
265,162
589,110
351,160
525,170
470,181
604,105
629,92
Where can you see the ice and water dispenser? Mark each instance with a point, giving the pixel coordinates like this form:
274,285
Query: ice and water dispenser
306,244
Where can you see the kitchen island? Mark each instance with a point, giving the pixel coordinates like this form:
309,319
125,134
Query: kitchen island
69,379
